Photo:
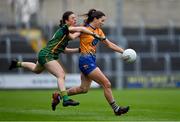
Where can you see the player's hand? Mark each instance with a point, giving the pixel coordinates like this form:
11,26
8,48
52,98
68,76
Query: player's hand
125,58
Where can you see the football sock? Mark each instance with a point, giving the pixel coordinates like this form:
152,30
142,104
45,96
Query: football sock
64,95
114,106
18,64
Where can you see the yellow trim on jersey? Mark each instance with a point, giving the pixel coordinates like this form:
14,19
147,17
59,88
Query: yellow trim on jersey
53,50
46,57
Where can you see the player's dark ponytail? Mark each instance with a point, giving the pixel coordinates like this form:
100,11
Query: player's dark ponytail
90,15
65,17
93,13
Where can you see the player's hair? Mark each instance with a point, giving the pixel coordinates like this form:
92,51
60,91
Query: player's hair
65,17
93,13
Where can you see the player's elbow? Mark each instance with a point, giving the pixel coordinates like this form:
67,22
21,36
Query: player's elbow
37,72
73,37
65,50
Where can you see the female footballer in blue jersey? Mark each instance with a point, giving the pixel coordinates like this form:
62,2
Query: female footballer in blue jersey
48,56
87,61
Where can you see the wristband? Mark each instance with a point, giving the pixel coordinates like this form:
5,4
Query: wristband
79,49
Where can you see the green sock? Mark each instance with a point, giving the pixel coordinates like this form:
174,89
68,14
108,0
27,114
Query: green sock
64,95
18,64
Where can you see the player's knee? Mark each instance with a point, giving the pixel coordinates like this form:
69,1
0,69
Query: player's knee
84,90
37,72
61,75
64,76
107,85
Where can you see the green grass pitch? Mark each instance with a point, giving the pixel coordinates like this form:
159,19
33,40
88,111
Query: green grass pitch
145,105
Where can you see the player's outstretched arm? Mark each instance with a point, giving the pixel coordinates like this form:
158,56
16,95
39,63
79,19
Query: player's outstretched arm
113,46
84,30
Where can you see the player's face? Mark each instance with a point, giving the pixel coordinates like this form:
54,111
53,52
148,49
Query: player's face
99,22
72,20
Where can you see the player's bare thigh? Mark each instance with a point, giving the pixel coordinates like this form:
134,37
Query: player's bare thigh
98,76
55,68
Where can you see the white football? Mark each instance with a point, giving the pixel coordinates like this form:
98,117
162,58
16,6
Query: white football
129,55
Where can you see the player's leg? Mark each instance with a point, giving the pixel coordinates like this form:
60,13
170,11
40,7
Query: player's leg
83,88
55,68
36,68
100,78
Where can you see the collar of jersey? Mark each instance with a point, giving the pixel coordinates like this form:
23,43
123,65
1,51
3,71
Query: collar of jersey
91,26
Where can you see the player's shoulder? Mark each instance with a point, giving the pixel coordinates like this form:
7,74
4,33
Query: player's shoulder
99,31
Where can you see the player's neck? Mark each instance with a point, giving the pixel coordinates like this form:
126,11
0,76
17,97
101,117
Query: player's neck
92,26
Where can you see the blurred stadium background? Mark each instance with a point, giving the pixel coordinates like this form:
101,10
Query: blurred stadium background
152,28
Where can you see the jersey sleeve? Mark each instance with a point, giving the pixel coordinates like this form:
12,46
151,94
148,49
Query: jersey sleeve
61,32
65,29
101,33
57,35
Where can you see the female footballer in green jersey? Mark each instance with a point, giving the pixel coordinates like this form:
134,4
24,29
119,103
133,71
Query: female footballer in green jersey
48,56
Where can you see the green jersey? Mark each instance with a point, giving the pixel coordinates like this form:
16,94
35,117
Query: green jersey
59,40
55,46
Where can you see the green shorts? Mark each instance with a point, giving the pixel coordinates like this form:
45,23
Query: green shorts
45,56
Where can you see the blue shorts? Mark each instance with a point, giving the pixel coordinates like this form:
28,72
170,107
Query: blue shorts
87,63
